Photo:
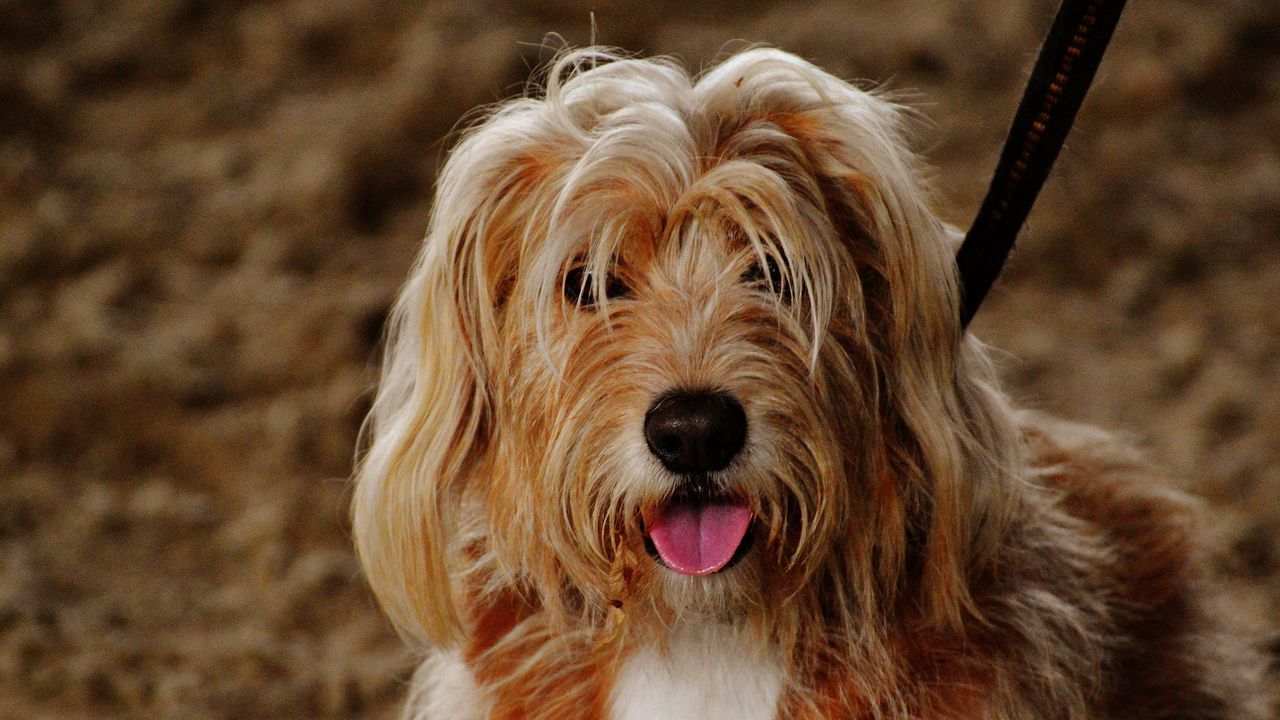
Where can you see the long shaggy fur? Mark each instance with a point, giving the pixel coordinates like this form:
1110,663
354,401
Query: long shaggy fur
921,550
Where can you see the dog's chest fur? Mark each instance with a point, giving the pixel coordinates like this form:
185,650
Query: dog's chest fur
709,673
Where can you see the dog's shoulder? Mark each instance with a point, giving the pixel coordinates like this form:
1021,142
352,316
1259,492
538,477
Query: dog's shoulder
1150,526
1175,644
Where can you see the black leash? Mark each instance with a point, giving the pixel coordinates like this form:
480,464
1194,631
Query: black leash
1067,63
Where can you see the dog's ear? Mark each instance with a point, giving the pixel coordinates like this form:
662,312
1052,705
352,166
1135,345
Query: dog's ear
932,397
421,437
935,388
430,425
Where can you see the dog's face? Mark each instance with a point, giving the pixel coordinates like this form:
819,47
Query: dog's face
672,417
687,347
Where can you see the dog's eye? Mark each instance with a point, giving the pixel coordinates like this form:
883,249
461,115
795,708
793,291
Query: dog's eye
579,287
767,276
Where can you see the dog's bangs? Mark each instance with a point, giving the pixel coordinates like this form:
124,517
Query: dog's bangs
744,205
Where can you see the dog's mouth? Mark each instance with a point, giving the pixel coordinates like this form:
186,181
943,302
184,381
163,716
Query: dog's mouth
698,533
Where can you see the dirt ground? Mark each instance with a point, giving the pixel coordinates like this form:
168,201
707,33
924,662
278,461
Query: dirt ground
206,208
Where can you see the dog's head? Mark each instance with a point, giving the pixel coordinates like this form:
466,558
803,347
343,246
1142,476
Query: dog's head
690,346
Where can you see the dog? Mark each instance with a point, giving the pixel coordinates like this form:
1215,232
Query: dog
677,420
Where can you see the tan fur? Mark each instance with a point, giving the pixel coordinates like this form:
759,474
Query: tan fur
920,552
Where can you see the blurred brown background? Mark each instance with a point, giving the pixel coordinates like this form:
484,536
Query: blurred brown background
206,208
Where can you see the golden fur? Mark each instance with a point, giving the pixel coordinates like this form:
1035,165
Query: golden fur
922,551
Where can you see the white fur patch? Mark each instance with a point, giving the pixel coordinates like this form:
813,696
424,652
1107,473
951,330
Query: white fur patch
709,673
444,689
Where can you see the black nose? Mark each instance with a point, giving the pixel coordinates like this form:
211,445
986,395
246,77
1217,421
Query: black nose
693,432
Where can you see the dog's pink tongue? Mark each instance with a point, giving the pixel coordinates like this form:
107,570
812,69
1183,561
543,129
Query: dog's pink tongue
699,538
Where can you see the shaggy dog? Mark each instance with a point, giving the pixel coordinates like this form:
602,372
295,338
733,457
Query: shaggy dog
677,420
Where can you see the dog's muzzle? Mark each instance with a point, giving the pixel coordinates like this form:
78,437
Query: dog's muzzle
699,529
